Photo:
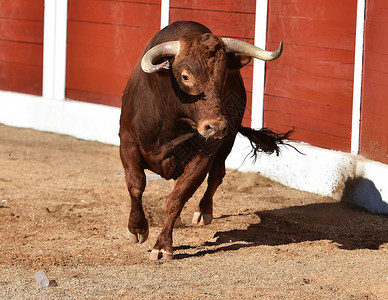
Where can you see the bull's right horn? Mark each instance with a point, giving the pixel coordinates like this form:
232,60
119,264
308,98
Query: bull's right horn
161,50
233,45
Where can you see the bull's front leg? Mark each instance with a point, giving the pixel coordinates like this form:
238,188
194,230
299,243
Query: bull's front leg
185,186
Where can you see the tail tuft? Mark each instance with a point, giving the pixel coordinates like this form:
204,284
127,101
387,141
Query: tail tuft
265,140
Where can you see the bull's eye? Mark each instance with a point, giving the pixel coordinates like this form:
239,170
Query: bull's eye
185,77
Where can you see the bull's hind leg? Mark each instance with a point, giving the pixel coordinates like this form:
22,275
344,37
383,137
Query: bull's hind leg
136,182
185,186
204,213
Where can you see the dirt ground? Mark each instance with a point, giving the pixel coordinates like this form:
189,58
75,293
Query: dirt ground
64,208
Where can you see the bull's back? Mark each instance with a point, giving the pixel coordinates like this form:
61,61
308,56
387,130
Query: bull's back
175,31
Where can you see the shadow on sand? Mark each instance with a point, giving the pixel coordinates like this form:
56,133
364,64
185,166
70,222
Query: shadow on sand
348,226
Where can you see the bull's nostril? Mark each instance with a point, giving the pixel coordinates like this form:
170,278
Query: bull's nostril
212,128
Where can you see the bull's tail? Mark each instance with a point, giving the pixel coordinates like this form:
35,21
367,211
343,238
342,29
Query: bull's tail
265,140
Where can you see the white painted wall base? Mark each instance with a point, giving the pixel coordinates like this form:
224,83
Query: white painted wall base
319,171
79,119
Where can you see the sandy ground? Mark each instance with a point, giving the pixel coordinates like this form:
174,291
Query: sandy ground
66,208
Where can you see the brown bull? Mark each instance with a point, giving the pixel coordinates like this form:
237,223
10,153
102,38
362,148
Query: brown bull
181,110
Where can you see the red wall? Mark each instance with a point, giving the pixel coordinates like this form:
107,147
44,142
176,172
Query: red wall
105,39
21,46
374,104
311,85
224,18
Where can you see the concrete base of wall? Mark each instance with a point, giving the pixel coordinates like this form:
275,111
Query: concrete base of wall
342,176
79,119
326,172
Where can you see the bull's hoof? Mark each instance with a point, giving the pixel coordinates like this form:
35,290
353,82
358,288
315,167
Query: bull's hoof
158,254
201,219
138,237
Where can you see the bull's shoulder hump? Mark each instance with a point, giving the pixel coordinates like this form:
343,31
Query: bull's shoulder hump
175,31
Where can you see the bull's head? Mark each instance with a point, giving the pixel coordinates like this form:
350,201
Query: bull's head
199,69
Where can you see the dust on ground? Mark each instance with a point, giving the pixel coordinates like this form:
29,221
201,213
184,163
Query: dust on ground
64,209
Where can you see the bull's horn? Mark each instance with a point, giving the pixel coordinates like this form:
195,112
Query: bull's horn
161,50
233,45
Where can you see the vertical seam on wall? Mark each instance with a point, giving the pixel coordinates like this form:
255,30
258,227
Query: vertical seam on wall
164,13
258,65
48,49
357,81
54,49
60,49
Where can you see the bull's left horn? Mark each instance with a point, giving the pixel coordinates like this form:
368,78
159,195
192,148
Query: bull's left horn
233,45
161,50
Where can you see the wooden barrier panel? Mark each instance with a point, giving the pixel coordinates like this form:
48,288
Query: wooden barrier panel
21,46
227,19
311,85
374,103
105,39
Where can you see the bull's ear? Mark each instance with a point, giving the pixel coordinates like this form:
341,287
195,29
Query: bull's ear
236,61
164,72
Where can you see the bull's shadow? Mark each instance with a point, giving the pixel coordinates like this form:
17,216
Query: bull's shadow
350,227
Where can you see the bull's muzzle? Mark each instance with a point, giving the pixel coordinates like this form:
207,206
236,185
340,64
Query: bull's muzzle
213,128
